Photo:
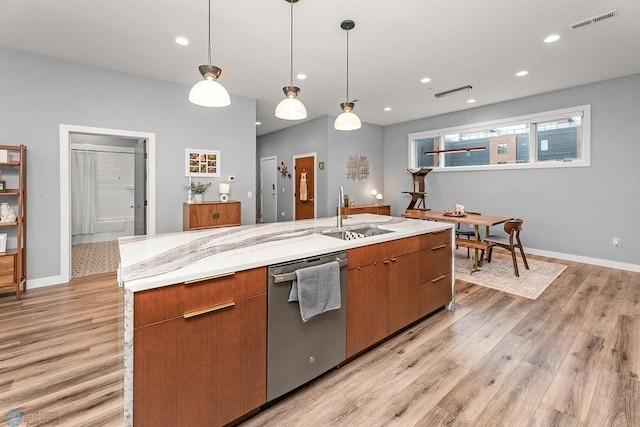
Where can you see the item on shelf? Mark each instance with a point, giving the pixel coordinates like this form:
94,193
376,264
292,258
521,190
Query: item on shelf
224,190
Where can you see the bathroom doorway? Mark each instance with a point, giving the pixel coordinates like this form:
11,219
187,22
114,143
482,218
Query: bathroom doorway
107,182
107,199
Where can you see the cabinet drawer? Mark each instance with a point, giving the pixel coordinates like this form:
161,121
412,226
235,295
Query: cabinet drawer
382,251
208,215
435,262
219,290
437,238
435,293
168,302
7,269
158,304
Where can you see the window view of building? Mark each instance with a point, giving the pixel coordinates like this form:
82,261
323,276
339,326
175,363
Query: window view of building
556,139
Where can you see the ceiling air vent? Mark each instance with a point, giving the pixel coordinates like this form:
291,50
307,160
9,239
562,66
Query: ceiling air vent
594,19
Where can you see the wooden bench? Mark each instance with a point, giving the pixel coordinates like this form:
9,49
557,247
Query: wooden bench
475,261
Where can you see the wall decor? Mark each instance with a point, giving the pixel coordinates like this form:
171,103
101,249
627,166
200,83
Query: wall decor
284,172
201,163
357,167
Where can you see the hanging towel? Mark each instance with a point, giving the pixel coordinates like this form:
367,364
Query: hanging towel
317,289
303,186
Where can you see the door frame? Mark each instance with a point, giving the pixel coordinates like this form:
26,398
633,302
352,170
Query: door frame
315,183
65,185
275,173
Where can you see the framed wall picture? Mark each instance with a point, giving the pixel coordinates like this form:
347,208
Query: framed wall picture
201,163
3,242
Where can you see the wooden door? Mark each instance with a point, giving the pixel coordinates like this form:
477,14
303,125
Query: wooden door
305,167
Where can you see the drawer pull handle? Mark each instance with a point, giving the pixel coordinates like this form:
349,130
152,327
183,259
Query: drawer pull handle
394,259
217,276
386,261
208,310
435,248
215,215
437,279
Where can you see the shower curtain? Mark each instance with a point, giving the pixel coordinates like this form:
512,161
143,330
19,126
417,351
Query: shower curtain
83,192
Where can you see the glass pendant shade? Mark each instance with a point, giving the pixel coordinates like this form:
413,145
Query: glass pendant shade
209,93
291,108
348,120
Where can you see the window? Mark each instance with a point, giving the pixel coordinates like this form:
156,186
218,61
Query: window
552,139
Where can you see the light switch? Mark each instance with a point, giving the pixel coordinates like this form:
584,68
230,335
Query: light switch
249,194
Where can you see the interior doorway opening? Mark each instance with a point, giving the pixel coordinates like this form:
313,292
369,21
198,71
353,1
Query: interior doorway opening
91,224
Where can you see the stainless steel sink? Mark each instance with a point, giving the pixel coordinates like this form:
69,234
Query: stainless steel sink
356,233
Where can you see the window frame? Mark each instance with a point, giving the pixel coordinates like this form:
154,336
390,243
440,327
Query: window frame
532,120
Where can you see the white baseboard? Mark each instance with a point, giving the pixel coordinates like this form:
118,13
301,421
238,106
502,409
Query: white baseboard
44,281
584,259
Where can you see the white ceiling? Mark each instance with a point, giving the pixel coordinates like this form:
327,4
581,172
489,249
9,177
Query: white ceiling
394,45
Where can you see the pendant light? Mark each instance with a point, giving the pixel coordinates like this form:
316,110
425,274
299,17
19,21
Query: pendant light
291,108
348,120
208,92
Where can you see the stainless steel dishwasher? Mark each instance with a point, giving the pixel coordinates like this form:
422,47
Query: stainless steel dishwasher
298,351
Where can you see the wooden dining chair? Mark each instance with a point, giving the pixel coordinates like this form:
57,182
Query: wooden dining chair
466,230
510,242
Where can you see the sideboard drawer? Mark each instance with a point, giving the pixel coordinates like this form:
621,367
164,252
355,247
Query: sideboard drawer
196,216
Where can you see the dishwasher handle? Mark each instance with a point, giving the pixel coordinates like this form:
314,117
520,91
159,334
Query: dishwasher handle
287,277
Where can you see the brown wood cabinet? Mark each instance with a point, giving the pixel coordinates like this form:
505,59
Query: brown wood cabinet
370,209
393,284
200,351
435,270
196,216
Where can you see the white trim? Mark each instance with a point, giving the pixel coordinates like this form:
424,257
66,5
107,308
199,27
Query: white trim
585,161
262,189
315,183
584,260
65,187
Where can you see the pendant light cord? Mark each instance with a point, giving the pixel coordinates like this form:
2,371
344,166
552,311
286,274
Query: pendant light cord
348,65
291,47
209,32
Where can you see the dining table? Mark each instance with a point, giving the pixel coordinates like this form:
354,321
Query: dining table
472,218
475,219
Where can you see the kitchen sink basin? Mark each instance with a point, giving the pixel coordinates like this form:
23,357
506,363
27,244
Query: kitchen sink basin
356,233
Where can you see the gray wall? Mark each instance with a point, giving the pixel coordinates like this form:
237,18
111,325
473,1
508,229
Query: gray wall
333,148
572,211
38,94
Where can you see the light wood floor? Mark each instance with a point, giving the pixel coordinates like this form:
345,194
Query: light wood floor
570,358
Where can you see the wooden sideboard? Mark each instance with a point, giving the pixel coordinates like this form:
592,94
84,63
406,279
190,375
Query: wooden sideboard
196,216
370,209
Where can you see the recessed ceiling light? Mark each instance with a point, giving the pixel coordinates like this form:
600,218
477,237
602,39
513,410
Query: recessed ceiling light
522,73
471,101
258,123
301,76
425,80
552,38
182,41
387,108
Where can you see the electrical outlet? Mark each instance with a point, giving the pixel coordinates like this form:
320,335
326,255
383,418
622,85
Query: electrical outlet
616,241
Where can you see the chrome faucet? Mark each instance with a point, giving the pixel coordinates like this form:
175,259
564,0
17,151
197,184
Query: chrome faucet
340,205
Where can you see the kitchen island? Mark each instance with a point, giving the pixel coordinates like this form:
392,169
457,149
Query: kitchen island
195,306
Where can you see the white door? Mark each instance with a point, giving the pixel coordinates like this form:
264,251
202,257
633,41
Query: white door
268,189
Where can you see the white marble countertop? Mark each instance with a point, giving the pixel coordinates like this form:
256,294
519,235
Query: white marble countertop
153,261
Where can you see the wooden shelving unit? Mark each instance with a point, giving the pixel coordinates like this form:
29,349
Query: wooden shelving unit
13,264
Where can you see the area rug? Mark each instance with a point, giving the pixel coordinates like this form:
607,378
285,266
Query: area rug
499,274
